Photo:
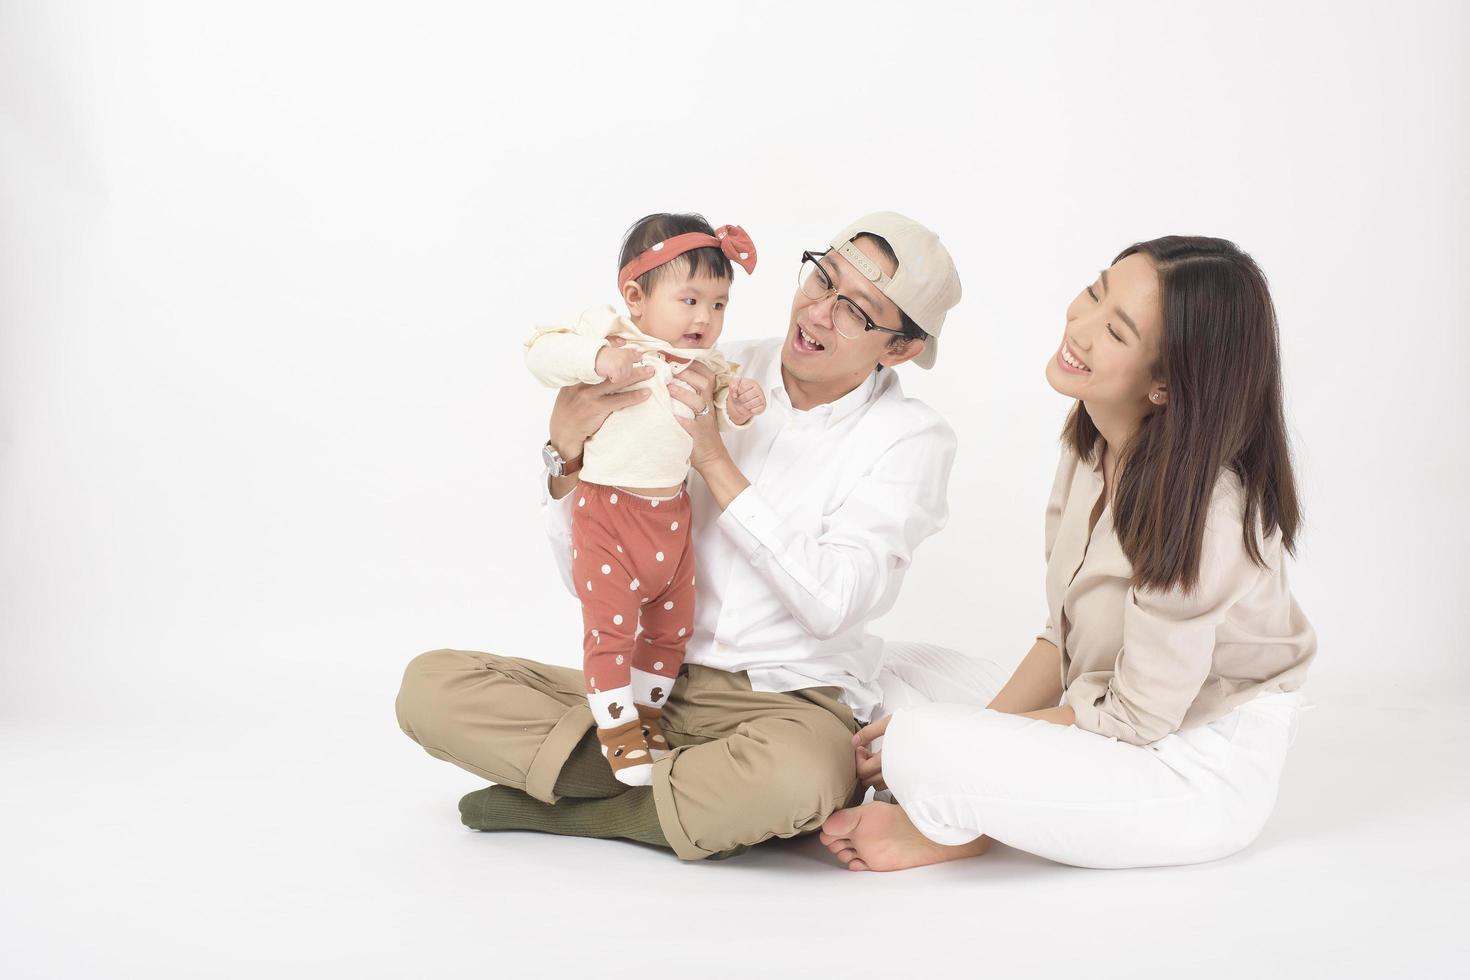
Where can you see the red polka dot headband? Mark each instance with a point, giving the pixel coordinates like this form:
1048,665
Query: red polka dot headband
730,239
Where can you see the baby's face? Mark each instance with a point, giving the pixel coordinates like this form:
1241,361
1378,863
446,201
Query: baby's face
685,311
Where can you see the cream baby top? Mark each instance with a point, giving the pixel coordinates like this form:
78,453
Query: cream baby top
642,445
1141,664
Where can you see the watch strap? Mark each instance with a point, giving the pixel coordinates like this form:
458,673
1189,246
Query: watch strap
561,466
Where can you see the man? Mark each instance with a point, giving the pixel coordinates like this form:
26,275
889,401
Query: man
805,523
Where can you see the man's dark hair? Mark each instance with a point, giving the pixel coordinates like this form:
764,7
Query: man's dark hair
700,262
911,330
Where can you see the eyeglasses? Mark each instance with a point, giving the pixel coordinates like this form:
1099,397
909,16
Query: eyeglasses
848,318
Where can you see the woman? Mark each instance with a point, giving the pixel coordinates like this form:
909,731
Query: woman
1149,723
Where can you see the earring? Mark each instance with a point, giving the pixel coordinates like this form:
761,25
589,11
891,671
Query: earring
1154,398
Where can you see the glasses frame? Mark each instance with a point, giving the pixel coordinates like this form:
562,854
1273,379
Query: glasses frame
815,258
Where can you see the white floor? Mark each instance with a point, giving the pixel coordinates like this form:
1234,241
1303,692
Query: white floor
226,848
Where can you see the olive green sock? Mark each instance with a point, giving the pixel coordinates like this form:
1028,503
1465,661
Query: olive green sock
586,774
732,852
630,815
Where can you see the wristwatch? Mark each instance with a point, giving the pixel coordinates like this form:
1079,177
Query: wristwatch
555,465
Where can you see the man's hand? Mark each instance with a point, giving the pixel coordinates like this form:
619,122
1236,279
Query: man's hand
870,764
745,401
616,363
709,457
704,427
580,411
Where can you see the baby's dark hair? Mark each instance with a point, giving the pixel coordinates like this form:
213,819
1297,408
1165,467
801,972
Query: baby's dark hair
648,232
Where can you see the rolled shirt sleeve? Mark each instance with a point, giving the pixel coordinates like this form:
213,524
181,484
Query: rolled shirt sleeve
1169,640
839,577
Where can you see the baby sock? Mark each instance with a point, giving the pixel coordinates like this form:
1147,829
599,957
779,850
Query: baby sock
621,733
650,692
653,733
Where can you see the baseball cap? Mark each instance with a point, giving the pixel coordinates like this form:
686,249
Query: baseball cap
926,284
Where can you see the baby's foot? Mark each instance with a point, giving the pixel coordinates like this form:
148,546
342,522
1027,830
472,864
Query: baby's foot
653,733
627,752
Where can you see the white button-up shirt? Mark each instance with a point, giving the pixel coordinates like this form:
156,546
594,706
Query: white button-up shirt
792,572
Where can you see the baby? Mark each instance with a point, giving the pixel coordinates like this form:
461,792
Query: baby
632,562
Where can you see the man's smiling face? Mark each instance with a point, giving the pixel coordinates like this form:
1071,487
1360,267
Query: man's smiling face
815,354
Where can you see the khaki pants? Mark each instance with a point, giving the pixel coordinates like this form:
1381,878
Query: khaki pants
746,765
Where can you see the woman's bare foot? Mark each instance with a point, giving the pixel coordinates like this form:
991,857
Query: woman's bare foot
880,837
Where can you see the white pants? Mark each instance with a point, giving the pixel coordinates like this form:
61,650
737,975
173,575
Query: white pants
960,771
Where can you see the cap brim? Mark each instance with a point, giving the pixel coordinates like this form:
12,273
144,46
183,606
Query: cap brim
926,358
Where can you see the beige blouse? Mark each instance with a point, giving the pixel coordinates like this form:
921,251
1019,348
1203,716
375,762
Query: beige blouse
1139,665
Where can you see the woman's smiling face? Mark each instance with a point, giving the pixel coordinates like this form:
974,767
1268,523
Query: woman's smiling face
1111,343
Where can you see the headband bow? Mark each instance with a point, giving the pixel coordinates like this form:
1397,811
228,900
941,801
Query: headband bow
730,239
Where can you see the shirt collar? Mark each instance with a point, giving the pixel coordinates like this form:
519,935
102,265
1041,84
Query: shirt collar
775,384
855,399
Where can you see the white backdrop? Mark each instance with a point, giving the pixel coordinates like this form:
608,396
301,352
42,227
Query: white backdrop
267,267
265,432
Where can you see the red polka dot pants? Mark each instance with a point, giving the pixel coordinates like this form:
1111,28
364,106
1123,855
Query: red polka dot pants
633,565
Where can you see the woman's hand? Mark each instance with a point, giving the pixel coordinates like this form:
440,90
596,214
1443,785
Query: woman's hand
869,763
704,427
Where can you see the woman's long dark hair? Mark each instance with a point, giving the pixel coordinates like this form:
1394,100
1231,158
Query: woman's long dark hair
1221,360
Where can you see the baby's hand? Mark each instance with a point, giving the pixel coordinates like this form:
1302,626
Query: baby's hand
616,364
746,400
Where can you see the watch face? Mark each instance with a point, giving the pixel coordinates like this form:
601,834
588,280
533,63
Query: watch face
552,460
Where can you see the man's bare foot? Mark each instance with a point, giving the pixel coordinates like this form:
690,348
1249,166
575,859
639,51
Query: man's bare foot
880,837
